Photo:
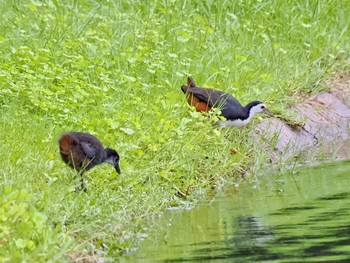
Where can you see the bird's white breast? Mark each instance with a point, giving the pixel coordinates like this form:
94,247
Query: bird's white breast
233,123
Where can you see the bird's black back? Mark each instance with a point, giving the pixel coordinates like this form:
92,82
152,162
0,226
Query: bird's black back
230,107
81,150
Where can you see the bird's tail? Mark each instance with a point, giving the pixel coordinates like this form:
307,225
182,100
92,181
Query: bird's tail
66,142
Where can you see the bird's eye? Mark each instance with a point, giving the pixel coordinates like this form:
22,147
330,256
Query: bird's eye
263,107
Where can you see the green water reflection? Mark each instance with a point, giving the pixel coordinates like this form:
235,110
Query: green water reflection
303,217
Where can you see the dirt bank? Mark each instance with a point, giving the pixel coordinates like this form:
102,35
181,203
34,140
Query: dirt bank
326,130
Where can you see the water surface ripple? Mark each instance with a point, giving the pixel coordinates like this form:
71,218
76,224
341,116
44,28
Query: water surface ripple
292,218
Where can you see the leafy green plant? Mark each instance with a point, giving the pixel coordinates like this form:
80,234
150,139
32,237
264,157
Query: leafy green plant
24,231
114,69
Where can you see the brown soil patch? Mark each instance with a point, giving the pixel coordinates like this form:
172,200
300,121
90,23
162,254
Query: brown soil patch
326,130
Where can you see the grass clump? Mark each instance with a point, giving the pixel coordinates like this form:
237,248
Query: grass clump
114,69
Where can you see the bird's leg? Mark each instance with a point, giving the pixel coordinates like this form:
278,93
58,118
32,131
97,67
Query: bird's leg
75,181
83,186
85,165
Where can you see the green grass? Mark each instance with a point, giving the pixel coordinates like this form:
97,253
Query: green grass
114,69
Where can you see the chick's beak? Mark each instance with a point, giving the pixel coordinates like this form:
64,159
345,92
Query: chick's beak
117,168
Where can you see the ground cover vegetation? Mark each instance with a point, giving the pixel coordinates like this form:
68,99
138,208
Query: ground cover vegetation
114,69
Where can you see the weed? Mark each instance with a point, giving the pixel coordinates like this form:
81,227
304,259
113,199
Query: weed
114,69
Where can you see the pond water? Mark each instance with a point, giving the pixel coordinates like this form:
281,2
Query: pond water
299,217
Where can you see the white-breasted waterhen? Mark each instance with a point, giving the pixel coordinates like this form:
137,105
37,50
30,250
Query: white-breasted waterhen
203,99
82,151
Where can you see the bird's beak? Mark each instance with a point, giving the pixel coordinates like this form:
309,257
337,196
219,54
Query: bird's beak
117,168
267,112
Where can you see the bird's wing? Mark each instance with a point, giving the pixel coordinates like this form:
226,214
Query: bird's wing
88,149
214,98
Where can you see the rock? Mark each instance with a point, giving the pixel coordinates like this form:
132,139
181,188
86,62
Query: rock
325,133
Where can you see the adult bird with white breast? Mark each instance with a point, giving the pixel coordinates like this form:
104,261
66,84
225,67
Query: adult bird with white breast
204,99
